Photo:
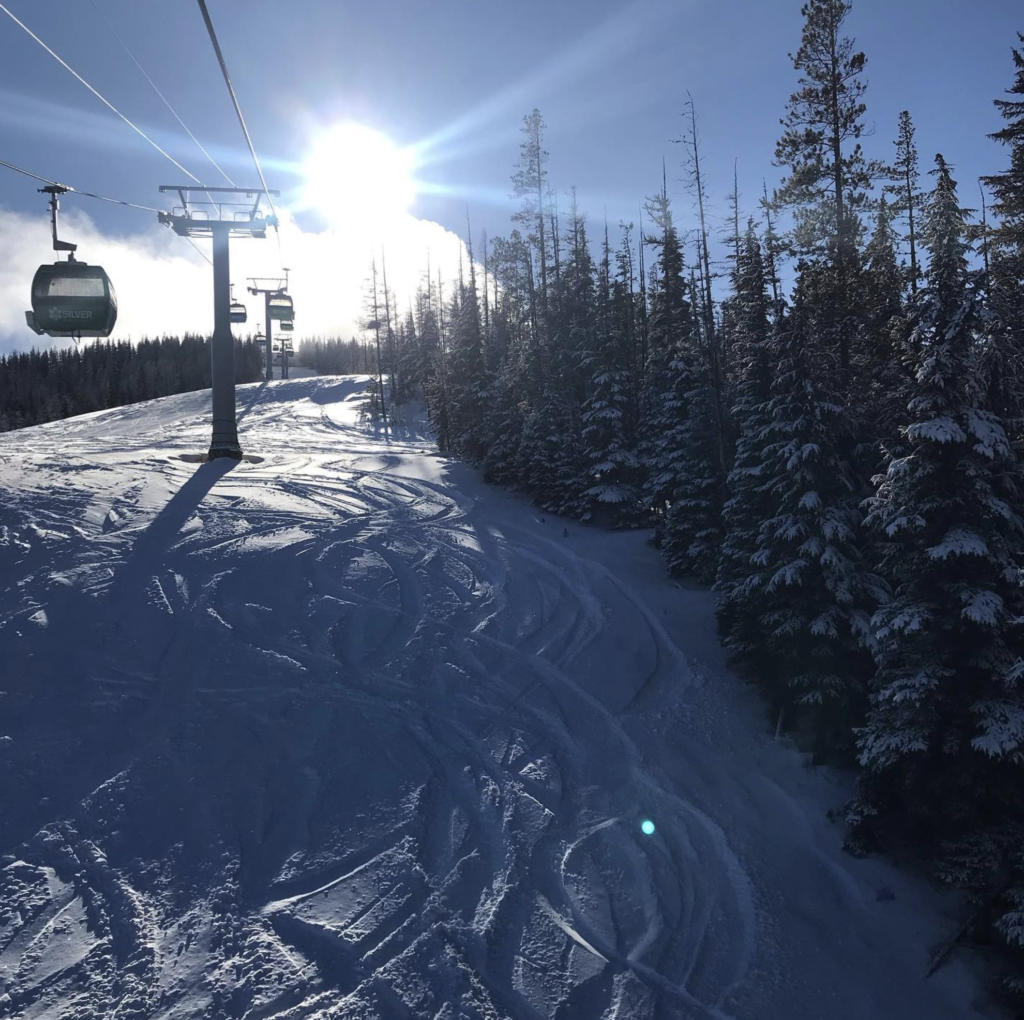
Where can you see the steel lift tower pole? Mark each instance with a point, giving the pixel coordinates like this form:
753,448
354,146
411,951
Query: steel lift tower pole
220,220
269,327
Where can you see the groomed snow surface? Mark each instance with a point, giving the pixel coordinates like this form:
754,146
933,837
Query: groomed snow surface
340,731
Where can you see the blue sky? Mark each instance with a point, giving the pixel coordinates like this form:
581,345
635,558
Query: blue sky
456,76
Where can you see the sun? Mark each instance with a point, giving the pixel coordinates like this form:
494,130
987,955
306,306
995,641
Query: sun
357,176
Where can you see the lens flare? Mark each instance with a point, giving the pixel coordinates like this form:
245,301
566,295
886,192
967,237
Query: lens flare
647,827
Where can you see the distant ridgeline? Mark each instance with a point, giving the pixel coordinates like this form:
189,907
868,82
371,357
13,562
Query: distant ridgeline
43,386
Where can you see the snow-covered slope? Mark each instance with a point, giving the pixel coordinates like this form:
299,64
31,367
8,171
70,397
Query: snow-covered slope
339,731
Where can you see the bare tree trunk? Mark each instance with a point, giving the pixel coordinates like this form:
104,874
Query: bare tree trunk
773,274
842,241
380,367
984,230
391,337
913,234
556,247
487,303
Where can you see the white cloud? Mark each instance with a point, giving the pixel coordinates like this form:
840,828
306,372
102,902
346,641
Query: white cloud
164,287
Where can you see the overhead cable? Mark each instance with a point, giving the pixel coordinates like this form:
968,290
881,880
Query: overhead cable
163,98
198,249
102,99
77,191
101,198
234,99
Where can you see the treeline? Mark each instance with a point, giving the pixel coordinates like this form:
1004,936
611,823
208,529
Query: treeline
41,386
840,458
334,356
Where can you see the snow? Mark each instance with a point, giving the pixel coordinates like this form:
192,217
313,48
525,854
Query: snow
958,542
341,731
939,430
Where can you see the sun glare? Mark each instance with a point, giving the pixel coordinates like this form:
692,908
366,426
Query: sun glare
355,174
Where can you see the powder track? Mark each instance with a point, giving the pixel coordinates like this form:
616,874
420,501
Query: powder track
342,732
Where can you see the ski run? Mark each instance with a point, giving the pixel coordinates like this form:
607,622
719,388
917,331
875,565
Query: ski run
341,732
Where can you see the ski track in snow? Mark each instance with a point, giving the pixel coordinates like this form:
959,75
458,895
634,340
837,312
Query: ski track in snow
340,732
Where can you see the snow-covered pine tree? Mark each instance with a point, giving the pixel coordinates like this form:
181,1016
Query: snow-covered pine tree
669,332
943,745
431,331
551,463
630,326
611,465
572,340
811,595
882,285
511,337
405,344
693,525
1003,365
883,373
747,505
503,429
1008,188
469,380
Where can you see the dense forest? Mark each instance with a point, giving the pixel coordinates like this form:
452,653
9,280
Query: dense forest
833,440
41,386
334,356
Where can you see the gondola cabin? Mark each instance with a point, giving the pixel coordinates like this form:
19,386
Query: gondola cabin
238,313
287,327
281,308
72,299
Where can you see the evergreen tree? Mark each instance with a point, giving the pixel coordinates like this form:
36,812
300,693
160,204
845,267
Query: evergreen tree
882,378
942,747
1004,323
693,524
611,463
774,244
748,502
40,386
434,361
828,173
411,367
811,595
503,427
882,289
572,335
469,378
550,460
907,195
529,185
1008,186
669,334
517,378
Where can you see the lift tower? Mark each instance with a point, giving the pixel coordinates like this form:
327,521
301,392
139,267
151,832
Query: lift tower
237,214
271,287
